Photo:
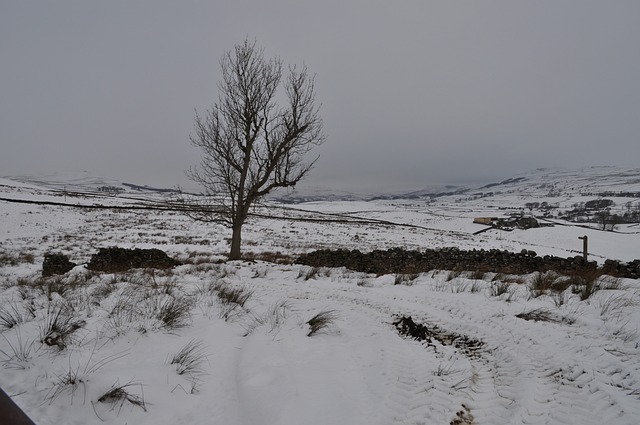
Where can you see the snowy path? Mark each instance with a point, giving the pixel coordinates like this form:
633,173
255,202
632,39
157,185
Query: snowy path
525,372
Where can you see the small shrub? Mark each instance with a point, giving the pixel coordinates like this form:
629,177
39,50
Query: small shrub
321,322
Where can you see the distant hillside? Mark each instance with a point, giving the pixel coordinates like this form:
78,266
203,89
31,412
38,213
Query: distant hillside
83,181
592,182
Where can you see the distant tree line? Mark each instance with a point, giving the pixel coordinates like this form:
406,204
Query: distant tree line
600,211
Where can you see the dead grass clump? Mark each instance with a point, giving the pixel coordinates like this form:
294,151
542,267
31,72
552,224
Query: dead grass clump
499,277
499,288
308,273
189,359
544,315
232,300
117,395
18,354
614,306
543,282
407,279
13,259
272,319
270,257
321,322
610,283
230,295
172,312
519,280
10,316
536,315
59,325
452,274
585,283
561,284
67,382
478,274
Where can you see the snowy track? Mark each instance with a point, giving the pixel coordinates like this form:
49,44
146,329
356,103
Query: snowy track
525,372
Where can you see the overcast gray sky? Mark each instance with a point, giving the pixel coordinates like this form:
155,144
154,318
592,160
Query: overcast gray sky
413,93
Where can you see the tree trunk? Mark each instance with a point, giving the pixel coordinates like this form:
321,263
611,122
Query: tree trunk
236,240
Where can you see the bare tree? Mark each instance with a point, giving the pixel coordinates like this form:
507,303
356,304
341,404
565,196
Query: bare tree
250,143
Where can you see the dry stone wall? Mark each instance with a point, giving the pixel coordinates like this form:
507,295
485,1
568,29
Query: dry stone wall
398,260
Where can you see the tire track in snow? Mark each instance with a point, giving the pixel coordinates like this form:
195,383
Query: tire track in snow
412,394
522,375
525,370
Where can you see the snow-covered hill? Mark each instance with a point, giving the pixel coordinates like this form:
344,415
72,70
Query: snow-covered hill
164,347
85,182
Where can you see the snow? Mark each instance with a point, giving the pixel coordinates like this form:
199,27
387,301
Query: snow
260,366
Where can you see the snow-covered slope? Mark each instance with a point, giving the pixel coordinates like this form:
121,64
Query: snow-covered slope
163,347
84,182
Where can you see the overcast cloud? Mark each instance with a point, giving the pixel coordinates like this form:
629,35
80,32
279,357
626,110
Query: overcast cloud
413,93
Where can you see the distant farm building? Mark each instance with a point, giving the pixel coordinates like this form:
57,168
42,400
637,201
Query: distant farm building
485,220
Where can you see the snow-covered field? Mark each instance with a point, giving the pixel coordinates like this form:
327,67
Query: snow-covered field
160,347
